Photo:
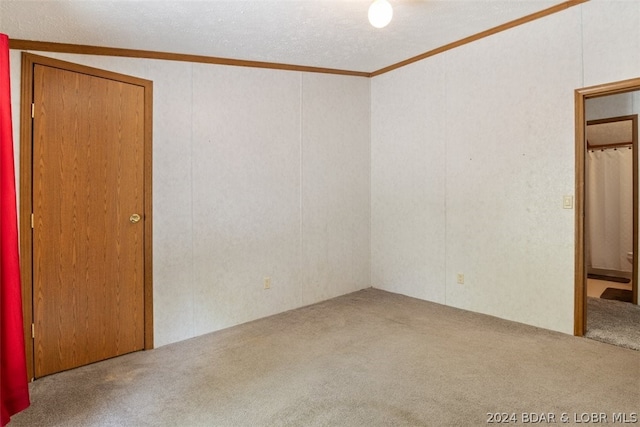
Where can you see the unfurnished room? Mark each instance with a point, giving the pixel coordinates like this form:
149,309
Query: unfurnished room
319,212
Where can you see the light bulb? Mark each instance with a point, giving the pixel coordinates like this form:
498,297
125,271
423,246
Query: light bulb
380,13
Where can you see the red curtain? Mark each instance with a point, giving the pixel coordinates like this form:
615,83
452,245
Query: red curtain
14,390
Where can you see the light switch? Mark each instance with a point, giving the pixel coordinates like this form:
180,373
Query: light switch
567,202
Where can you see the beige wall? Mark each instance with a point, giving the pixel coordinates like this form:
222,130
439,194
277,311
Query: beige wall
256,173
461,167
472,153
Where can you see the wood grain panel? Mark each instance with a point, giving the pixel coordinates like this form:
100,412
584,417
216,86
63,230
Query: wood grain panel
26,243
580,269
169,56
88,178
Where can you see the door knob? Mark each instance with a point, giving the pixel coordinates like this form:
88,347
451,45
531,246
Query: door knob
134,218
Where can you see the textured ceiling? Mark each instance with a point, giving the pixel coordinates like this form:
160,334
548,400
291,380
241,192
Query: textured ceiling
318,33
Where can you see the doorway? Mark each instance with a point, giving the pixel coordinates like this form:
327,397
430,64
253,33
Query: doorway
581,96
610,164
85,209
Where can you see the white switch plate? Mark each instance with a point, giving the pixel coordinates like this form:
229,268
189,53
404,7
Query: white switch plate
567,202
460,278
267,282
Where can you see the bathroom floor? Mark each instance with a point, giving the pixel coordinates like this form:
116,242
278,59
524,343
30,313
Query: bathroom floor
595,287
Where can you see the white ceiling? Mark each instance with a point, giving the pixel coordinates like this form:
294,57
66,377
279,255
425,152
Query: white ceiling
319,33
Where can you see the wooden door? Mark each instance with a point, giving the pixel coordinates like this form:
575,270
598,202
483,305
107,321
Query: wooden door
88,250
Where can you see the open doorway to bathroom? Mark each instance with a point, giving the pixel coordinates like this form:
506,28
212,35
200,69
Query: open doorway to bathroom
606,207
609,188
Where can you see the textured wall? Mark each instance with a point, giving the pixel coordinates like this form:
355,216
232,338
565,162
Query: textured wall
611,41
266,173
257,173
498,116
408,153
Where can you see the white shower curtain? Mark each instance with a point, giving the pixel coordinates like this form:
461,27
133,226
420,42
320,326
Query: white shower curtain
609,209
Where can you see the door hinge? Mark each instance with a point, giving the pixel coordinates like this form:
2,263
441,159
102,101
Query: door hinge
33,110
32,221
33,330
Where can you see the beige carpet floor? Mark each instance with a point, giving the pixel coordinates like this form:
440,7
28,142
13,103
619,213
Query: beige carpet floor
370,358
613,322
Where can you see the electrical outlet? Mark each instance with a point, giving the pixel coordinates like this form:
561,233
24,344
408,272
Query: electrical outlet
461,278
267,282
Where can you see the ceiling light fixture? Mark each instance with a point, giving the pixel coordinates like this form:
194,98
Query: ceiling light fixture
380,13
